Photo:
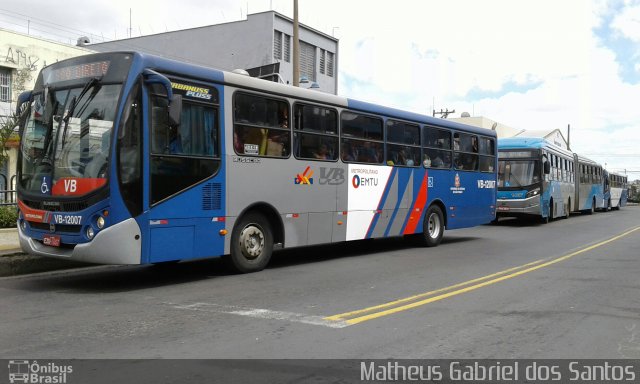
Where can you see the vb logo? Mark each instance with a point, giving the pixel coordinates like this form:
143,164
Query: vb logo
70,186
331,176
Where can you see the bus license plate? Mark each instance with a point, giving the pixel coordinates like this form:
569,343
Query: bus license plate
501,208
51,240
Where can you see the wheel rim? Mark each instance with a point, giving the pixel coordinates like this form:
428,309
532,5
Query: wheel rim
251,242
434,226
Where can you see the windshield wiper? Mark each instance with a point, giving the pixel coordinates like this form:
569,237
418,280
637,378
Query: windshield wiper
94,81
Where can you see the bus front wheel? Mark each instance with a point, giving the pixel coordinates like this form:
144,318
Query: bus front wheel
251,244
433,227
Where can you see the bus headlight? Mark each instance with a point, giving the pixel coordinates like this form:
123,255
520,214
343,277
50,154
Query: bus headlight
23,224
90,233
533,192
100,222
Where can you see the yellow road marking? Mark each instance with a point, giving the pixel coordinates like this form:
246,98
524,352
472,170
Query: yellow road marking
370,313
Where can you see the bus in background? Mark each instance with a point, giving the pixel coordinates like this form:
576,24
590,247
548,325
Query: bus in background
618,190
591,186
128,158
535,179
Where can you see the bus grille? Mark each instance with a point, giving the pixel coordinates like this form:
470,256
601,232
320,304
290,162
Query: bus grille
63,228
211,196
57,207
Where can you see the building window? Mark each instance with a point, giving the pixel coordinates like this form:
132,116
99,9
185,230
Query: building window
322,61
329,64
307,61
287,48
5,85
277,45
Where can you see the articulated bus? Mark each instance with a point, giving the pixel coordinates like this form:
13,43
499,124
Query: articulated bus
538,178
618,190
128,158
591,186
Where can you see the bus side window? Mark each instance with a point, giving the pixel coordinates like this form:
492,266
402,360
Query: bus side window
261,126
315,134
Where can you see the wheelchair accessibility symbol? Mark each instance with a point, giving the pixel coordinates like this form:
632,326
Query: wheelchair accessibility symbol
44,188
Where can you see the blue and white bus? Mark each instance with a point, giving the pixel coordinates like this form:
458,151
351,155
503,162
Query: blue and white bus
618,190
590,186
535,178
128,158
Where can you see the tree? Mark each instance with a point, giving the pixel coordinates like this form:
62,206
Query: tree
8,135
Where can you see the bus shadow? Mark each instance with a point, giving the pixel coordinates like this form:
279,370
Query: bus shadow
320,253
518,222
114,279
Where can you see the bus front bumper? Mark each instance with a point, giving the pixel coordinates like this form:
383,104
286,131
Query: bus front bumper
117,244
520,207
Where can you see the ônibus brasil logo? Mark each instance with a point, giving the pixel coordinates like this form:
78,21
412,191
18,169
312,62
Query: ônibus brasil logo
24,371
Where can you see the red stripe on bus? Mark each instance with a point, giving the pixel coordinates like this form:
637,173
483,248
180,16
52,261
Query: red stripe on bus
418,207
34,215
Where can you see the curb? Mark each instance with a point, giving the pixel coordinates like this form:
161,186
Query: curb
18,263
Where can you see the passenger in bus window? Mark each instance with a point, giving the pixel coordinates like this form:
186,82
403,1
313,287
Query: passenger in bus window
426,161
284,116
367,154
175,142
322,153
347,152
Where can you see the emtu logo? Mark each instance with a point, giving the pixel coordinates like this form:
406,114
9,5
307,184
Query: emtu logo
355,181
305,178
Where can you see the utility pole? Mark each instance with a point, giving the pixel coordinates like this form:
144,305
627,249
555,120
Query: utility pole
296,46
443,114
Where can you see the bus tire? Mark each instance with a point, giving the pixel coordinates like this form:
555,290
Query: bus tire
251,244
433,227
567,211
593,207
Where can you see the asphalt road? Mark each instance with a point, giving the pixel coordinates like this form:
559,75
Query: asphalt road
567,289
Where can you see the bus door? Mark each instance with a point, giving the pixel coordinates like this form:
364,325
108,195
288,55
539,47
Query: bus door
184,178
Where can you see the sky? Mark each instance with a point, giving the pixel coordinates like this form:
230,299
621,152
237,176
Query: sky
528,64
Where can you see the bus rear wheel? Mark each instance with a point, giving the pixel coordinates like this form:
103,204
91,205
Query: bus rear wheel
251,244
433,227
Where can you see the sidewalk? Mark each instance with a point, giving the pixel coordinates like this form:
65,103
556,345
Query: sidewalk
14,262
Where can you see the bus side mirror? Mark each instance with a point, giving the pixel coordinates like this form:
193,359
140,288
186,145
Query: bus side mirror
175,101
547,168
23,98
175,110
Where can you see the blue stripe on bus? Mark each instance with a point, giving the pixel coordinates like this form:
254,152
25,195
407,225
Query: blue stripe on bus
403,179
383,199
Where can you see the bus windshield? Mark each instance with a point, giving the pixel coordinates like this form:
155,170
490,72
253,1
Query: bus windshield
518,173
67,136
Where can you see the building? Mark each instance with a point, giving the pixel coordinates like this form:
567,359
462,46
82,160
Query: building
262,44
484,122
553,135
23,56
